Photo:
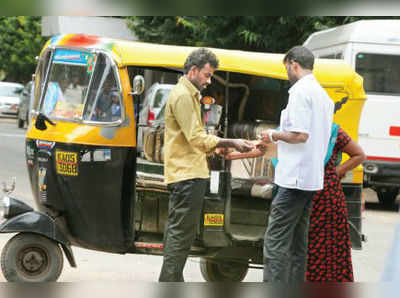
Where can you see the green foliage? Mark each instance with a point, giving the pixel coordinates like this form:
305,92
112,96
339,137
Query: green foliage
21,42
256,33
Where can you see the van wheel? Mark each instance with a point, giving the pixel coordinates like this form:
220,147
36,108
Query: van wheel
31,258
223,271
20,123
387,196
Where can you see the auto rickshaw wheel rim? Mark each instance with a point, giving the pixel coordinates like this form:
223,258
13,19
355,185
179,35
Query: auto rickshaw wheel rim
33,261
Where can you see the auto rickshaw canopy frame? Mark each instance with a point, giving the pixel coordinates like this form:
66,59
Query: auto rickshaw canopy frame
271,65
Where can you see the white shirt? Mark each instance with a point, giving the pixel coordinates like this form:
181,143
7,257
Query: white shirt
309,110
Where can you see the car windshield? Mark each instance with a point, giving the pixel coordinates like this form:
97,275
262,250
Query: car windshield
67,84
10,91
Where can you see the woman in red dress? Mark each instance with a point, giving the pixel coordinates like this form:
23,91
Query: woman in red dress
329,245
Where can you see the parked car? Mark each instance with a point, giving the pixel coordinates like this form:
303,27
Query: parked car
152,108
9,97
24,105
153,103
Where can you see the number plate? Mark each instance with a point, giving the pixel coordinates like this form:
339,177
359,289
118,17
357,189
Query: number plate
67,163
213,219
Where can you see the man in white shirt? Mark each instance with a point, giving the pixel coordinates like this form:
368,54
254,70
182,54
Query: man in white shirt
305,128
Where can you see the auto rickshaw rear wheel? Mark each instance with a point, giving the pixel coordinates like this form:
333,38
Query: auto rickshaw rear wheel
223,270
31,257
387,196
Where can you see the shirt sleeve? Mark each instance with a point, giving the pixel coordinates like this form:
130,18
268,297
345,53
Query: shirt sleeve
299,113
185,114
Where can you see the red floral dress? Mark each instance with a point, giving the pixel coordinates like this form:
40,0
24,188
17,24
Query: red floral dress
329,245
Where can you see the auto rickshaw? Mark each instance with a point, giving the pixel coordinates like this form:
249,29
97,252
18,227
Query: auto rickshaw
97,175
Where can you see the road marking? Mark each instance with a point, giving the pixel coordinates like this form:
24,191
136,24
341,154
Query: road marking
12,135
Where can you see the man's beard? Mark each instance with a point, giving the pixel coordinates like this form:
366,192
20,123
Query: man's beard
292,80
198,86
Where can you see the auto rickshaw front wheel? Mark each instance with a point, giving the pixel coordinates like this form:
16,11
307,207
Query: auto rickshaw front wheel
31,257
223,270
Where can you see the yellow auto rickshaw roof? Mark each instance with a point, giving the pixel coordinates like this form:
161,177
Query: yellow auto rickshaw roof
329,72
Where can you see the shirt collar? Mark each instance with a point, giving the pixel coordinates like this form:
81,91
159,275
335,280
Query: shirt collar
192,89
305,78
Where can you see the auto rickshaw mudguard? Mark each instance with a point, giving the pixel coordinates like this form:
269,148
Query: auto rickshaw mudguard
42,224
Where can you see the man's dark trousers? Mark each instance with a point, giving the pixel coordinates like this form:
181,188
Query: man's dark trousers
184,210
286,238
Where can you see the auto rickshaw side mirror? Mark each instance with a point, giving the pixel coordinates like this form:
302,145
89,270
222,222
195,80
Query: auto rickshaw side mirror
138,85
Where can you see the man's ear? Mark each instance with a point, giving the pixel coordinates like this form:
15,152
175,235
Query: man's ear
295,65
193,70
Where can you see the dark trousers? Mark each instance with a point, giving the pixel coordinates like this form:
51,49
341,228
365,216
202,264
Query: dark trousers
285,241
184,210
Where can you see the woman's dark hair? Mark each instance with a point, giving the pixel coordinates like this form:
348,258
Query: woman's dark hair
301,55
199,58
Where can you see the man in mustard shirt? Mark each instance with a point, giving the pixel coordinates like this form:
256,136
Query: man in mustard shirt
185,166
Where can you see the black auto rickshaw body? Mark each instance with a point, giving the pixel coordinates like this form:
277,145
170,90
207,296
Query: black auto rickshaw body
96,170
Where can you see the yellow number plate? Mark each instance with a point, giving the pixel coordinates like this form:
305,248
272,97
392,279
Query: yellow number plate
213,219
67,163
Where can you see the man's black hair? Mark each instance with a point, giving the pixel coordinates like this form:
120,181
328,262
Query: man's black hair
301,55
199,58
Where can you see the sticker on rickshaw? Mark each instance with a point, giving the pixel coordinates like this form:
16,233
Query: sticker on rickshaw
42,175
211,219
67,163
30,152
46,145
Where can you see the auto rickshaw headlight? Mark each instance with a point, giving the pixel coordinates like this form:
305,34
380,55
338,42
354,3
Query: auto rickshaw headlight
10,207
4,207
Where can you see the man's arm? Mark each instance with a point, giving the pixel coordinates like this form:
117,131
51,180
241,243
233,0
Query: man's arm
239,144
185,114
285,136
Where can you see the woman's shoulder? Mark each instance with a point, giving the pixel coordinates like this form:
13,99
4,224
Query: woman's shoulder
343,137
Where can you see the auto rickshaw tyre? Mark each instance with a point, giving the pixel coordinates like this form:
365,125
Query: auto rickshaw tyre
223,271
29,257
387,196
20,123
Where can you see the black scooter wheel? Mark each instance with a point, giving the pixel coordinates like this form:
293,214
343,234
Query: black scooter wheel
223,271
31,257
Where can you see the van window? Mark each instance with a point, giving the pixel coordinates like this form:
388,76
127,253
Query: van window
332,56
381,73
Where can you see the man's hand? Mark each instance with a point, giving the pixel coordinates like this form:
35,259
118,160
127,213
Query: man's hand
242,145
266,136
262,146
223,151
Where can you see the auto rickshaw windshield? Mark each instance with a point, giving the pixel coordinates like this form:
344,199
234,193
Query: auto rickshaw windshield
77,80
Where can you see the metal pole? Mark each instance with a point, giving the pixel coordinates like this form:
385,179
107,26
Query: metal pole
224,163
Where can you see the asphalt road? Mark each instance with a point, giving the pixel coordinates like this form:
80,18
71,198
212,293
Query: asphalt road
378,225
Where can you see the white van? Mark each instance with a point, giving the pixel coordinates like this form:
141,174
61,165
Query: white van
372,47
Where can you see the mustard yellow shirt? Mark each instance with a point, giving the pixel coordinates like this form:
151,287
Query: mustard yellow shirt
186,143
